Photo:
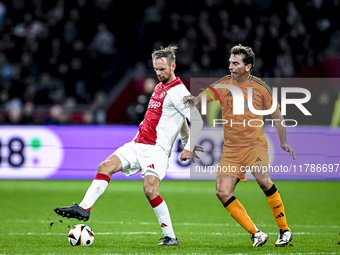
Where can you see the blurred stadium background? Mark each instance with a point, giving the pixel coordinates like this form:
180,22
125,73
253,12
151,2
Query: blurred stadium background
75,80
82,62
69,69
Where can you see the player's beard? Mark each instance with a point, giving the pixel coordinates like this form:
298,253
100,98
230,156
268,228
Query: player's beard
163,79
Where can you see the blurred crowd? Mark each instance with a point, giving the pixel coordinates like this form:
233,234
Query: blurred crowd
286,36
59,59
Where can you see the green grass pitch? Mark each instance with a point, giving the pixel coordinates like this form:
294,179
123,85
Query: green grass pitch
124,222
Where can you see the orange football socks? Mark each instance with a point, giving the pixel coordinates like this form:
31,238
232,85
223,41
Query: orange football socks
277,208
237,211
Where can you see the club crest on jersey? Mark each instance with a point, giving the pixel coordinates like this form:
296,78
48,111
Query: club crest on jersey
162,95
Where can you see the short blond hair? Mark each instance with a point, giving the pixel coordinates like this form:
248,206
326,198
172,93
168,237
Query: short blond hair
169,53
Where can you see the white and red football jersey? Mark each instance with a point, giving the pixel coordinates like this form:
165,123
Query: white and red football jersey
165,116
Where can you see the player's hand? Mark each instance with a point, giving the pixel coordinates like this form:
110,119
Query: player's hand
193,100
185,155
197,148
289,149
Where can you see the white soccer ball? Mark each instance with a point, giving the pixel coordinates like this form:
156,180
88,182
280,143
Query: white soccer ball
81,235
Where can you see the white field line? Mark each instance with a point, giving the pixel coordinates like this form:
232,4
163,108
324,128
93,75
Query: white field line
155,233
178,224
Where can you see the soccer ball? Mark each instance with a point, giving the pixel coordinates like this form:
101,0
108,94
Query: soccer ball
81,235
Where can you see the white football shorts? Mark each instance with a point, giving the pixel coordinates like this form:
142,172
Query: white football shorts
150,159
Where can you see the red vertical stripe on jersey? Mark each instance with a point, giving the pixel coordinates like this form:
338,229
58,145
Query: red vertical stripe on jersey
147,129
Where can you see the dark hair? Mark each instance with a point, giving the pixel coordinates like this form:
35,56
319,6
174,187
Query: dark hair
247,52
168,53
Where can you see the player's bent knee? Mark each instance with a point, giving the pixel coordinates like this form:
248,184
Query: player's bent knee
147,192
264,183
223,195
103,168
108,167
150,193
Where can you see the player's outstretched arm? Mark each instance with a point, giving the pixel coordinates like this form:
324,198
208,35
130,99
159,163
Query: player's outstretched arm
196,101
195,118
281,130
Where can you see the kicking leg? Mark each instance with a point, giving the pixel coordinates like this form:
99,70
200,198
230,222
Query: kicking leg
82,211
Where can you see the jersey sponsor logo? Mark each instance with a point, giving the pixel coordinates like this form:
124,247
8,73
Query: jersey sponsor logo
154,104
162,95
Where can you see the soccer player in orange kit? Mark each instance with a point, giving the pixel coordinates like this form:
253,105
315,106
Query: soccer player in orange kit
246,146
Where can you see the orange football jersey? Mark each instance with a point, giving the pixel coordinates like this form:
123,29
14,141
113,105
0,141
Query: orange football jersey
240,130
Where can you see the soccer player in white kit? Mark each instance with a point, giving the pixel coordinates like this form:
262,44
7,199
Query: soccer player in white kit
150,150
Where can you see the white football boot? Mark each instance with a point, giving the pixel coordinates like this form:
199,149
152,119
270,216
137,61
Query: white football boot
285,236
259,238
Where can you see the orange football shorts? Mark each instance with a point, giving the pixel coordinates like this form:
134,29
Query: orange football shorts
237,161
